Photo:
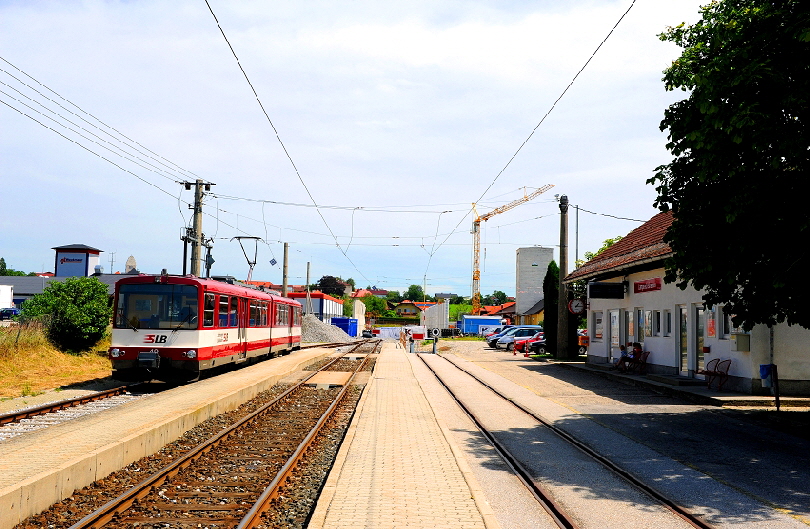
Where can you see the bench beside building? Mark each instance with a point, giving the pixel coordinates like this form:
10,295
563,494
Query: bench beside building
628,301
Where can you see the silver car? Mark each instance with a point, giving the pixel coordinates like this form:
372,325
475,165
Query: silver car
508,339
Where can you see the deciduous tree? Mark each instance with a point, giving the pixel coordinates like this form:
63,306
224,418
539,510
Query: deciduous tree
331,285
78,309
738,183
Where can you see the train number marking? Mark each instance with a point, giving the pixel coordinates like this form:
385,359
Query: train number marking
155,338
222,337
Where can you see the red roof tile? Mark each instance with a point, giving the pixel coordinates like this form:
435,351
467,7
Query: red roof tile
643,243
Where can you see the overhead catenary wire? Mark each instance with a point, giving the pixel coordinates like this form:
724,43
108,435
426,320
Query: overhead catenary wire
278,137
554,104
183,172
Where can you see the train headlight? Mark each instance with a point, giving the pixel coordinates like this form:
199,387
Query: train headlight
191,354
115,353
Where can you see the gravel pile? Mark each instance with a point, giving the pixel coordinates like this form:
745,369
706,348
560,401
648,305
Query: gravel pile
314,330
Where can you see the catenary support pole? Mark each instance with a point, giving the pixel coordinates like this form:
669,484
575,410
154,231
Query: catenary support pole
196,243
562,305
284,272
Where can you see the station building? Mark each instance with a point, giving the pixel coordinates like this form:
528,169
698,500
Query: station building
628,301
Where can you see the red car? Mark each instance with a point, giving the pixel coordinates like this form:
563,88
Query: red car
522,345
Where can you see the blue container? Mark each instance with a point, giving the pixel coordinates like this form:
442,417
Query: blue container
348,325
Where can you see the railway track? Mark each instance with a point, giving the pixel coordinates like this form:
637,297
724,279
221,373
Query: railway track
231,479
561,516
31,419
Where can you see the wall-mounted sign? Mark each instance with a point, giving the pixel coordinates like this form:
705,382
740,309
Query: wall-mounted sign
648,285
600,290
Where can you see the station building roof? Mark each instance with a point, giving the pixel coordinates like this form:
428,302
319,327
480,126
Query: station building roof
643,245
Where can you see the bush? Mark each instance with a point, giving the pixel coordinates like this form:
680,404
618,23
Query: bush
78,309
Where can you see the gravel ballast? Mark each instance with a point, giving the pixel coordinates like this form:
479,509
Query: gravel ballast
314,330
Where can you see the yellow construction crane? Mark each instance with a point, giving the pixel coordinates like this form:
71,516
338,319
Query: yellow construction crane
476,231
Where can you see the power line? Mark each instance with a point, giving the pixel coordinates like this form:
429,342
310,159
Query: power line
369,209
556,101
119,133
607,215
278,137
90,151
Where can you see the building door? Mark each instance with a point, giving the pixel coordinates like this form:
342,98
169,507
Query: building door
615,336
683,344
699,334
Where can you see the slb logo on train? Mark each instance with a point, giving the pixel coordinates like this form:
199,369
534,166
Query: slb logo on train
155,338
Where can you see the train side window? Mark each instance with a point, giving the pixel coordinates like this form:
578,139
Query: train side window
233,312
208,310
223,311
265,309
255,320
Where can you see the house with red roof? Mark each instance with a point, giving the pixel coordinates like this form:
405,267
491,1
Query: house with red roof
628,301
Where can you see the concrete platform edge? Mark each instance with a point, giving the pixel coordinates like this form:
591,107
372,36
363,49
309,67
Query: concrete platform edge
37,493
324,500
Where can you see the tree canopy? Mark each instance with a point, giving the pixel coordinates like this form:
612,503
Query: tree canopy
738,181
331,285
78,309
414,293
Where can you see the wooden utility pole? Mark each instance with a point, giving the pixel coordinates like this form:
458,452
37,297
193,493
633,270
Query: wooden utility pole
562,304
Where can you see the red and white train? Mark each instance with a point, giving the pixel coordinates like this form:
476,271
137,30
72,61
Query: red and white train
172,327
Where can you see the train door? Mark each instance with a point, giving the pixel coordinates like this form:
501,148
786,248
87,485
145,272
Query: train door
290,324
241,332
270,321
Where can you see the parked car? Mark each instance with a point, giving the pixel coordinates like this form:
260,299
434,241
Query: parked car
583,341
539,347
7,314
522,345
492,338
507,341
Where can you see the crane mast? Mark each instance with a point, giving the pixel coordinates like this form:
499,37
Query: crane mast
476,232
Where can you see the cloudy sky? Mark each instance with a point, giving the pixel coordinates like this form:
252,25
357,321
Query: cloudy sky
397,115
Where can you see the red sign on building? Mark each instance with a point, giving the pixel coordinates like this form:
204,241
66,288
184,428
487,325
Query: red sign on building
648,285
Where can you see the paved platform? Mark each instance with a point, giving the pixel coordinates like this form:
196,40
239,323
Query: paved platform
43,467
397,467
698,394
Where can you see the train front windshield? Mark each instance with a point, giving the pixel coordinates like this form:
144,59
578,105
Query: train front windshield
157,306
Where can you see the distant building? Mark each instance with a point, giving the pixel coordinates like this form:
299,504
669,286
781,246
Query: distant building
531,267
76,260
324,306
442,295
407,308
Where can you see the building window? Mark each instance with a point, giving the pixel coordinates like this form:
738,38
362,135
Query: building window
657,323
648,323
725,323
598,325
667,323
